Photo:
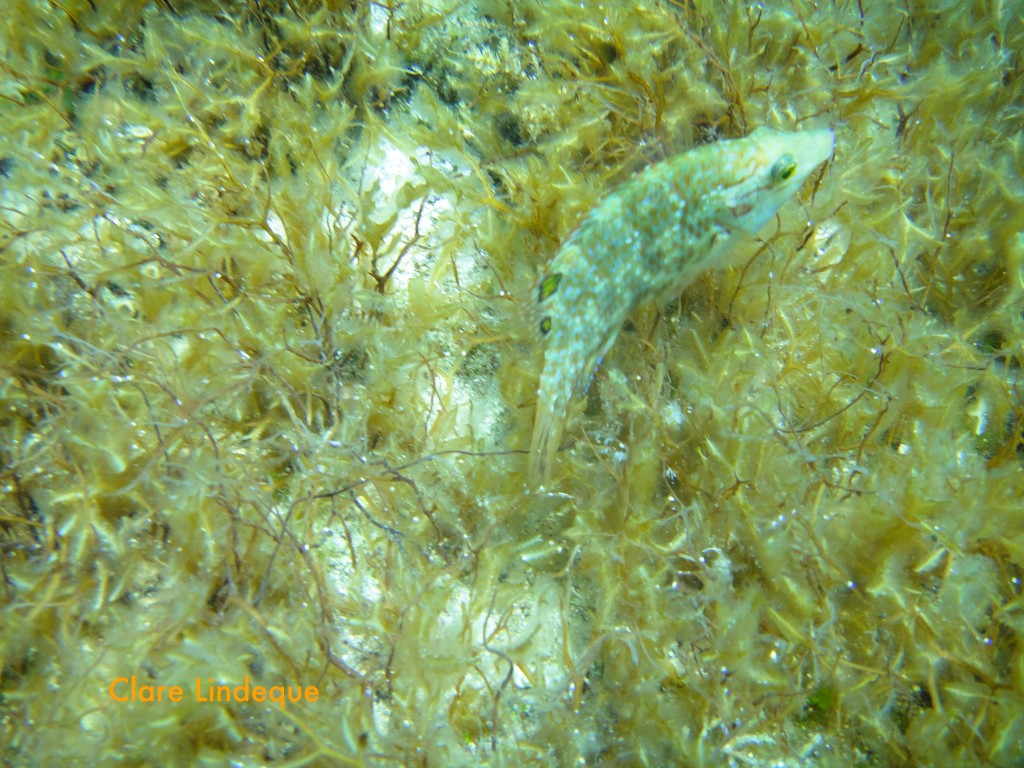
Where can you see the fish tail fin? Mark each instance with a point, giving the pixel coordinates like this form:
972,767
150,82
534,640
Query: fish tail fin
547,434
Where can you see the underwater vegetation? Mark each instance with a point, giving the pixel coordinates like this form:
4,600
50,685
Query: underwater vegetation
265,418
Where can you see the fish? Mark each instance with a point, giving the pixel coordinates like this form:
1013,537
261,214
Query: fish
647,241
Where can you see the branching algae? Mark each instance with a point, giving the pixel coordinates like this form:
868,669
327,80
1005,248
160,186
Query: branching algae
647,241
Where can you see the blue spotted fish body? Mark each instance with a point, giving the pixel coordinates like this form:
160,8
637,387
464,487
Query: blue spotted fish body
647,241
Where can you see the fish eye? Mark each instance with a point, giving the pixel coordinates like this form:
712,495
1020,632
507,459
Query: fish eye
784,168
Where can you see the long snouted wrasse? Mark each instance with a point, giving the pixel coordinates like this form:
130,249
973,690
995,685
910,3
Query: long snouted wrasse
647,241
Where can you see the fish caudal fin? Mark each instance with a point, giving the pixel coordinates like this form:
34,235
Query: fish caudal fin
547,434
